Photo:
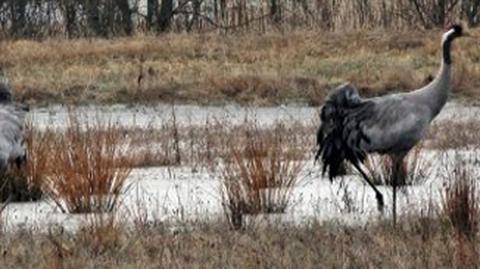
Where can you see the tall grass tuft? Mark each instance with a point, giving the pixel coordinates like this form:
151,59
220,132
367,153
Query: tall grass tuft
460,202
39,152
101,234
88,172
461,209
416,166
257,175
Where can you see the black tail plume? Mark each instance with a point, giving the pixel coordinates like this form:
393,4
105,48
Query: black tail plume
339,135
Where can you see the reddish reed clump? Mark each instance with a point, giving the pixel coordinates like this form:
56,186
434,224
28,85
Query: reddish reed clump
258,175
87,172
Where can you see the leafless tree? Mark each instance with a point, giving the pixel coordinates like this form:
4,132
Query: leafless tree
470,11
108,18
432,13
165,16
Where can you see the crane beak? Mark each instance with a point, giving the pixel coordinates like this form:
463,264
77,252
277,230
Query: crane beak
467,35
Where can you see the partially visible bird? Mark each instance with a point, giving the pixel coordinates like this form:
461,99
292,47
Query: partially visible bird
12,117
352,126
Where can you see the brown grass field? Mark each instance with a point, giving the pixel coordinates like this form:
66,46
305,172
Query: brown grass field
268,69
417,242
247,68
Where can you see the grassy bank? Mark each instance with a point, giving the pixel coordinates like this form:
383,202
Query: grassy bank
418,242
245,68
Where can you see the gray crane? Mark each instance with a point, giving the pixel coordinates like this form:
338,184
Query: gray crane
352,126
12,115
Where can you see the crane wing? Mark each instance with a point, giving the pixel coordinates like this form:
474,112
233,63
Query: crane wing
394,124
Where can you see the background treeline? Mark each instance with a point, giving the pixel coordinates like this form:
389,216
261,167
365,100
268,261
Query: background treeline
108,18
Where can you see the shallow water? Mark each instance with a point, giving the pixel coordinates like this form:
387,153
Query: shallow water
184,194
143,116
181,194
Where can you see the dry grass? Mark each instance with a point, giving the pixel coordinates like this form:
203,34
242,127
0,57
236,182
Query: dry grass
257,175
460,209
417,241
444,135
155,146
417,166
101,233
414,243
260,159
247,68
460,201
39,153
453,134
203,145
170,144
87,173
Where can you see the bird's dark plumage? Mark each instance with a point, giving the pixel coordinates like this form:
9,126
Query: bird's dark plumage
340,135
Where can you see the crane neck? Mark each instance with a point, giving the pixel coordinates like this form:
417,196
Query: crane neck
447,49
437,91
440,86
435,94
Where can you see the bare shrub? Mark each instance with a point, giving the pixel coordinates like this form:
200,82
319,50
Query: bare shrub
257,175
88,173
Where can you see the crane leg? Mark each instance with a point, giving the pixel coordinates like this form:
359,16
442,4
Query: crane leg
398,176
378,194
394,192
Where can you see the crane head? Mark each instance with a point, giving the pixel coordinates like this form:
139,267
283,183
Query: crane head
457,29
454,31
